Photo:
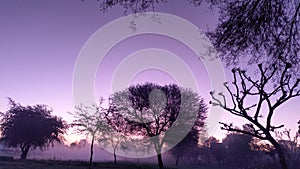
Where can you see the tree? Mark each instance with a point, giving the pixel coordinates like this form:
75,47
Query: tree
206,152
189,145
112,134
140,6
253,28
290,146
268,31
268,94
30,127
155,113
238,151
89,120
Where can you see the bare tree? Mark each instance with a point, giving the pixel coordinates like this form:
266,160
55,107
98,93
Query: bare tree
270,94
89,121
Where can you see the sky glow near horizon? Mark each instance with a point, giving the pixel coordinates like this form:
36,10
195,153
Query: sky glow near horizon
41,40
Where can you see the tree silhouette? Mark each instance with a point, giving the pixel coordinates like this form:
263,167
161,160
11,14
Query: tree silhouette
206,151
30,127
153,112
268,94
246,27
290,146
89,120
189,145
266,30
238,150
139,6
299,127
113,133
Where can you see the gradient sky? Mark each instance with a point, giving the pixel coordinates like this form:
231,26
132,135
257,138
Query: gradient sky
40,41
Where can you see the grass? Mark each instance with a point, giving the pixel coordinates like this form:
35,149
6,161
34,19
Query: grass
56,164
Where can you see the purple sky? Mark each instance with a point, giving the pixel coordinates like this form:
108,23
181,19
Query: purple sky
40,41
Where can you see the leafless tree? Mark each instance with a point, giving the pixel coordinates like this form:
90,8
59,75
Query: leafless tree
89,121
267,93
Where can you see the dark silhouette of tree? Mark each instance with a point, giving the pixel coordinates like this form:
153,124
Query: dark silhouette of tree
139,6
189,145
299,127
113,139
238,150
218,152
205,152
267,149
266,30
89,120
30,127
155,113
268,94
290,146
113,134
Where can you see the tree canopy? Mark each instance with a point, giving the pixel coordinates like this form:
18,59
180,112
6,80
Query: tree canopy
156,113
30,127
265,31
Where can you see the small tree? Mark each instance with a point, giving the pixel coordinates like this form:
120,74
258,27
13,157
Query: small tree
30,127
89,121
268,94
111,134
150,110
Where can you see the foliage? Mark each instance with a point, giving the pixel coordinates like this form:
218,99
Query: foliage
290,146
189,145
258,28
253,28
238,150
139,6
151,111
30,127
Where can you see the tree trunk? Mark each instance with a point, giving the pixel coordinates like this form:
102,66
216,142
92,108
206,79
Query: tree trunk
24,153
160,162
280,154
177,160
91,154
115,158
281,157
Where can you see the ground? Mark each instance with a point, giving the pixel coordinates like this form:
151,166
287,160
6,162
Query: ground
55,164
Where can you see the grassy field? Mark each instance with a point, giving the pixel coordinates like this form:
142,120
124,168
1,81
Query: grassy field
55,164
51,164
